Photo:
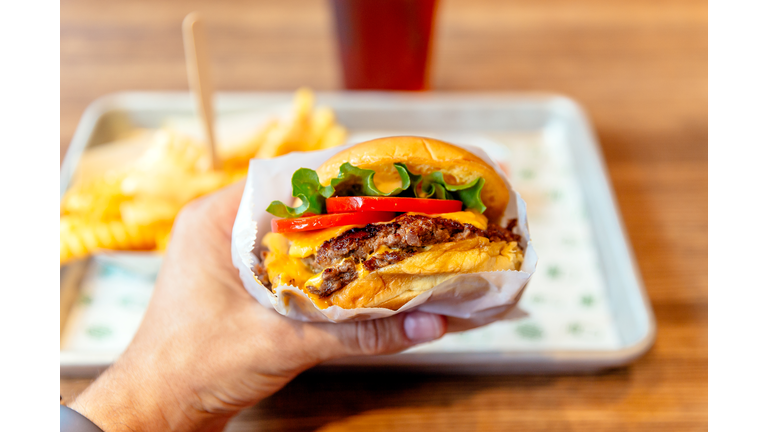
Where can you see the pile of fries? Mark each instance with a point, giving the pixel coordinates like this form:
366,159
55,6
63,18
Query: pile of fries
133,207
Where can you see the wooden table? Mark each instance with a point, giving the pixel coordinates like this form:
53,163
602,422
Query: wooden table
640,69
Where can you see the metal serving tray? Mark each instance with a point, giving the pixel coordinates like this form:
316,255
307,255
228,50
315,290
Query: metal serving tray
588,308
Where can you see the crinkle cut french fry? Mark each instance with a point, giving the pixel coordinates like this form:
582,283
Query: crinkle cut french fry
143,212
134,208
98,199
82,238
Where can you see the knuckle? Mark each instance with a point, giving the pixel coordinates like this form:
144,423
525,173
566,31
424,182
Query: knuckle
368,337
190,213
375,337
186,213
194,206
362,338
183,219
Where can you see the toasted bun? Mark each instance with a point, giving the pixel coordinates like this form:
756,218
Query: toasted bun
393,286
423,156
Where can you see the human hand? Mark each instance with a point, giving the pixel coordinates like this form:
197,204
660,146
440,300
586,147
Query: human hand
206,349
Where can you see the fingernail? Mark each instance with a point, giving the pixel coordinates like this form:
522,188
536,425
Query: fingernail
423,327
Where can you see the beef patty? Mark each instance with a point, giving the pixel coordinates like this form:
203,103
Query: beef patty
407,235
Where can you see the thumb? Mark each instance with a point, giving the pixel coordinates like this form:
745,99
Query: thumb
386,335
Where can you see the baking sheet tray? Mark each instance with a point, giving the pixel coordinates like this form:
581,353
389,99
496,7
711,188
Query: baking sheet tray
587,306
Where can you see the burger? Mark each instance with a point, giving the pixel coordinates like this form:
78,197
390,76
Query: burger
386,220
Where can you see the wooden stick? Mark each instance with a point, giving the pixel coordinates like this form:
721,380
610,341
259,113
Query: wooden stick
199,75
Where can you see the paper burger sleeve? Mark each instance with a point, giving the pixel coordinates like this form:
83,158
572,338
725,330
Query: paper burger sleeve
468,300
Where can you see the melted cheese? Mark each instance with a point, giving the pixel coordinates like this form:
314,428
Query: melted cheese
388,185
317,280
304,244
276,243
466,217
285,270
387,179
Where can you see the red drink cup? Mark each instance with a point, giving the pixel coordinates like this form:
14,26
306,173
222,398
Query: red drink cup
384,44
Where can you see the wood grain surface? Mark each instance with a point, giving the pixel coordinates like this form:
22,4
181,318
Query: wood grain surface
639,67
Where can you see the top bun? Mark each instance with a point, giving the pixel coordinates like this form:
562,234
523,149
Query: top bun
422,156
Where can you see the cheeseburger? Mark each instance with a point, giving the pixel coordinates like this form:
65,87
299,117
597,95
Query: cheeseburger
385,220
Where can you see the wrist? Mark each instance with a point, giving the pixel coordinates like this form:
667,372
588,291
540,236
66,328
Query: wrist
126,398
115,403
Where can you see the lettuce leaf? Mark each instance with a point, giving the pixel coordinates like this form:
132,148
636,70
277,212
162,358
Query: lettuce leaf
413,180
307,188
354,181
434,186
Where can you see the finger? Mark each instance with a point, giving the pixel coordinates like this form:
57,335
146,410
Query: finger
385,335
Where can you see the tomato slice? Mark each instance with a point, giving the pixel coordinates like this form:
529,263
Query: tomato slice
310,223
392,204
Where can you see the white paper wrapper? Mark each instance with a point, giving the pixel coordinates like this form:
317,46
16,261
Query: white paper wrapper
468,300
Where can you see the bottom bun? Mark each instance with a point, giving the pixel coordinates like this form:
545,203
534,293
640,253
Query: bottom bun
393,286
